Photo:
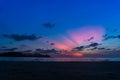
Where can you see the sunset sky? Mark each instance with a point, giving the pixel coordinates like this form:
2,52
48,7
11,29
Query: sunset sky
90,27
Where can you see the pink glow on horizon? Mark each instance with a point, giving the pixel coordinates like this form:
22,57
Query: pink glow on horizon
69,54
77,37
82,34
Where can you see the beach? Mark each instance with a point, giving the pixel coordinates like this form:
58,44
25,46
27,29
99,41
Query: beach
11,70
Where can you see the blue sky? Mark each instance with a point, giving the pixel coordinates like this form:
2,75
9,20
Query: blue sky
25,17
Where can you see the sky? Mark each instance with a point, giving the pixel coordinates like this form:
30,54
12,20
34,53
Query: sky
82,27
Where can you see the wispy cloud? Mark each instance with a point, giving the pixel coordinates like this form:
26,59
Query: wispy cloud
48,25
18,37
46,51
92,45
106,37
8,49
91,38
79,48
105,53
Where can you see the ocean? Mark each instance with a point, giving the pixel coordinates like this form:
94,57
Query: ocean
57,59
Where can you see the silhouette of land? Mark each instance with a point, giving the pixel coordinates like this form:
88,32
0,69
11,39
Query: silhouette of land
20,54
59,70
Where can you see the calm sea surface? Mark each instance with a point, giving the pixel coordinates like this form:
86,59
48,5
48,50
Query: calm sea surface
56,59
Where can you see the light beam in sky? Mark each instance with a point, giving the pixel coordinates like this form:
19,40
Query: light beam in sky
81,34
77,37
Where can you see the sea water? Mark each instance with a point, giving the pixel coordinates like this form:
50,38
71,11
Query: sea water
57,59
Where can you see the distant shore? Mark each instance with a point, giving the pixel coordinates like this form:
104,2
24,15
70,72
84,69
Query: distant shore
21,54
59,70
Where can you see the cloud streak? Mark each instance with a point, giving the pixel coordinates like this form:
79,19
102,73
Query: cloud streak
48,25
92,45
106,37
79,48
8,49
46,51
18,37
104,54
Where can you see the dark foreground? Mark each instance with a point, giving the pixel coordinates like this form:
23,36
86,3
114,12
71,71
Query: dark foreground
59,70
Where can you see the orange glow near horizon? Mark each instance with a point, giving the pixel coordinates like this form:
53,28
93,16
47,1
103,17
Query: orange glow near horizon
62,46
77,54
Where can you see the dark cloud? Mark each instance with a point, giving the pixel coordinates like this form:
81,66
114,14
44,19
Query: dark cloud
52,43
104,54
109,37
48,25
28,51
3,47
12,49
106,37
108,49
79,48
101,48
8,49
24,46
93,45
46,51
104,49
118,36
91,38
18,37
94,48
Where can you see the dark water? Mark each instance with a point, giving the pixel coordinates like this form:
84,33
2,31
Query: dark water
56,59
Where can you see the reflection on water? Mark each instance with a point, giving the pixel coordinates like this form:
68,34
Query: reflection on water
56,59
